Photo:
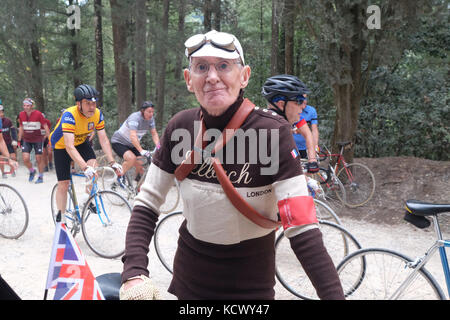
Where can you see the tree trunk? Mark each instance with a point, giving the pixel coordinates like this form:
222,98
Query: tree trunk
207,10
75,56
181,36
141,47
216,14
98,50
160,81
36,66
347,96
122,71
289,17
274,42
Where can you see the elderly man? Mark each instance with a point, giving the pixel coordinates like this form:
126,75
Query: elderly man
226,244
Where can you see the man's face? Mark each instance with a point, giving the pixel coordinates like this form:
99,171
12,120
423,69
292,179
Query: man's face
293,110
148,113
2,114
216,90
87,107
27,107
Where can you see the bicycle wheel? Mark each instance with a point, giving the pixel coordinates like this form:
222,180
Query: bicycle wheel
324,212
334,192
359,184
104,223
288,270
165,238
126,188
72,222
172,199
375,274
13,213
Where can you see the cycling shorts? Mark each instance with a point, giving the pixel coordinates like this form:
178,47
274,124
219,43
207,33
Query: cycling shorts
62,159
120,149
27,147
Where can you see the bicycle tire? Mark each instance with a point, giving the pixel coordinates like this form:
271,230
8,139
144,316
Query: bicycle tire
324,212
72,221
360,187
105,234
363,277
13,213
165,249
109,181
334,191
172,198
288,270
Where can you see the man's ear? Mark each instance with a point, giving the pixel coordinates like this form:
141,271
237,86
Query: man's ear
188,80
245,76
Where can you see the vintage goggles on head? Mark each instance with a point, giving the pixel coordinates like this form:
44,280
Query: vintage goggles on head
220,40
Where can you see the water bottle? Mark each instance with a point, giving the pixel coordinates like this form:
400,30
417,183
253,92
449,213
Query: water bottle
313,187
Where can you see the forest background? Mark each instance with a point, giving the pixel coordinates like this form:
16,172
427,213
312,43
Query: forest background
378,70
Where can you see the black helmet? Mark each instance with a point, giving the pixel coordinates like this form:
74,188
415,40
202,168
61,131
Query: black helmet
147,104
283,85
85,91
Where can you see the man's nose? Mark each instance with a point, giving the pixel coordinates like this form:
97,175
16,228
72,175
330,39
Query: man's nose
213,75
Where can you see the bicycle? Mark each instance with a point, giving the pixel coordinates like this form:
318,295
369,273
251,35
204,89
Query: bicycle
383,274
166,232
357,179
103,219
338,241
129,187
14,214
330,188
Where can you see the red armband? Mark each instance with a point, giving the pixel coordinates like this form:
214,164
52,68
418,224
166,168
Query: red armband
301,123
297,211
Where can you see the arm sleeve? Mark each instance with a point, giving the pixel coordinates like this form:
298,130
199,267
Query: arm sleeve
139,234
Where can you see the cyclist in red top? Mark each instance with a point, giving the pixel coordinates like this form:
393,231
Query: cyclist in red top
30,124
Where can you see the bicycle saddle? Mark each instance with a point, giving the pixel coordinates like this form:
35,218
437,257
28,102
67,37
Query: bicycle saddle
110,285
421,208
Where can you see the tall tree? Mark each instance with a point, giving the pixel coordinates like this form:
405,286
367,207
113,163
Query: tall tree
162,61
216,10
122,71
99,70
275,35
31,11
349,50
207,12
288,20
141,51
75,53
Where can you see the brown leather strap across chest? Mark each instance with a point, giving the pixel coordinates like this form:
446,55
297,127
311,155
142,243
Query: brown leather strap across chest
183,170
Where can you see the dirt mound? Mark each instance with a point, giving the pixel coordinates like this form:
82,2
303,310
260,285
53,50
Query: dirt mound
399,179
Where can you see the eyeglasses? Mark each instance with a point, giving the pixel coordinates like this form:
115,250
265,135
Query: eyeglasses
222,67
219,40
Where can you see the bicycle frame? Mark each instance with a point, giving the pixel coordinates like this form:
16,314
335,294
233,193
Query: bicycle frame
440,244
93,192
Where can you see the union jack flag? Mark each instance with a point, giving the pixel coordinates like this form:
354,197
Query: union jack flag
68,271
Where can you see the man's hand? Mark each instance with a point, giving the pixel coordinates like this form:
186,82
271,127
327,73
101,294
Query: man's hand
13,164
139,288
89,172
117,168
145,153
312,167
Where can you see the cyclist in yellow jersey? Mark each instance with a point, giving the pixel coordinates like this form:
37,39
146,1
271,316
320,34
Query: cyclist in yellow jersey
69,140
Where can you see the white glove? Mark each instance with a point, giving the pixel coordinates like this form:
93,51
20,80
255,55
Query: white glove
14,143
89,172
117,167
144,290
145,153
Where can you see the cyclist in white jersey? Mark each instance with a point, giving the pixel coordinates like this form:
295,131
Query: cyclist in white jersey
126,141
